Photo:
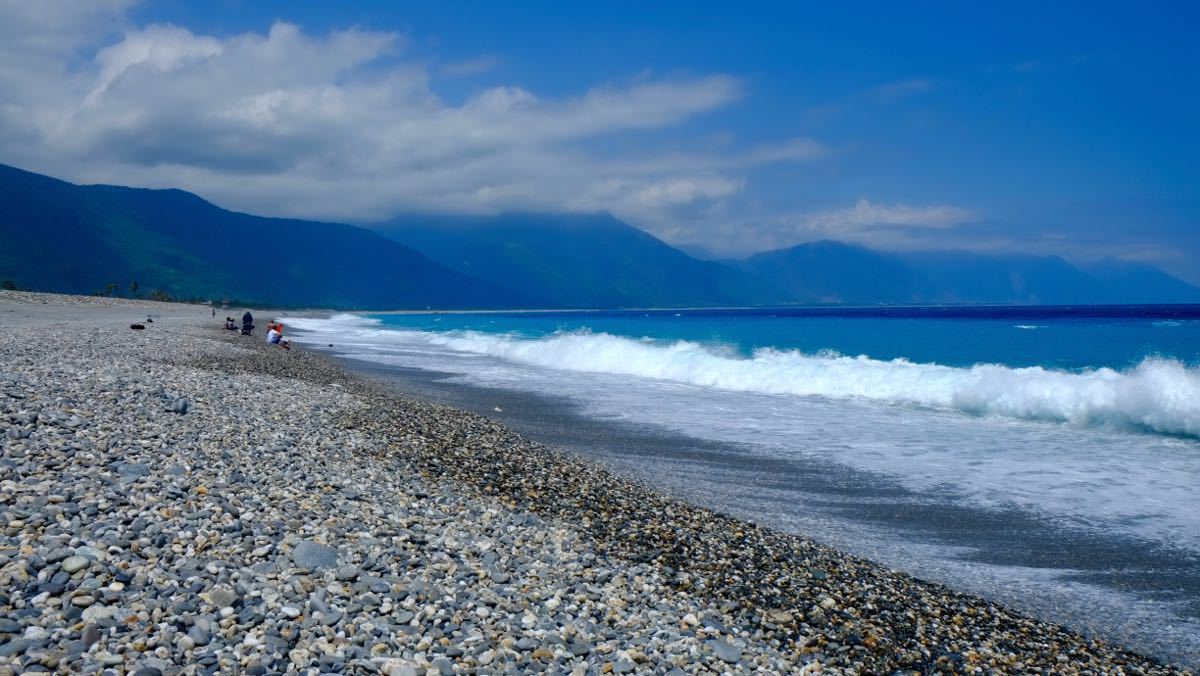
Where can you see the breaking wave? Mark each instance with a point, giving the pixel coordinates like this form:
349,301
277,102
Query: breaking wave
1158,395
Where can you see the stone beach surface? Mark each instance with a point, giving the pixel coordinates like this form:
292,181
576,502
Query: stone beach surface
184,500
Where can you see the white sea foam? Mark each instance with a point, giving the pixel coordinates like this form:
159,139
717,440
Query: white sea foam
1158,395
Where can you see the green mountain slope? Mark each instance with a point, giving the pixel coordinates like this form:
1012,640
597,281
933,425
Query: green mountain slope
77,239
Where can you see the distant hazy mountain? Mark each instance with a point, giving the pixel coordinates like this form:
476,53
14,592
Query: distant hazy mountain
1126,282
579,261
55,236
699,253
832,272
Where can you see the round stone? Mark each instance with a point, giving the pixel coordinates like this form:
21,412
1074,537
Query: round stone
74,564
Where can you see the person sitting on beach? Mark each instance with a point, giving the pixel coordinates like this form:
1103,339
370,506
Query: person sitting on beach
275,336
229,325
285,344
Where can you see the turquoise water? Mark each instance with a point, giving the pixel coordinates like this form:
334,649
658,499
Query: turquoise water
1019,339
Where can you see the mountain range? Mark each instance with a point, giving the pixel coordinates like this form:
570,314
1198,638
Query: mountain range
68,238
570,260
80,239
835,272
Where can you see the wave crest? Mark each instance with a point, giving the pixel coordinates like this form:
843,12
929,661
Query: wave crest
1159,395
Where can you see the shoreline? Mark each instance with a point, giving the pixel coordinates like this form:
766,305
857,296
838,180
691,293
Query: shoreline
408,496
1097,585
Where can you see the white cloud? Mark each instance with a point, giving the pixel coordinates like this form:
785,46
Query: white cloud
162,48
341,125
676,191
869,215
475,66
877,225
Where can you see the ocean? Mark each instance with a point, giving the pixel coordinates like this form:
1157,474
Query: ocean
1047,458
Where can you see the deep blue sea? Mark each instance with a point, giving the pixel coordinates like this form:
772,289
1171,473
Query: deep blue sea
1082,420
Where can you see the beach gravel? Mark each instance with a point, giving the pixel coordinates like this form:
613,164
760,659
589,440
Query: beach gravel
289,518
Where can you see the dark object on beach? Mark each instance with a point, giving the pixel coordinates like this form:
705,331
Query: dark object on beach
331,345
149,319
137,327
247,324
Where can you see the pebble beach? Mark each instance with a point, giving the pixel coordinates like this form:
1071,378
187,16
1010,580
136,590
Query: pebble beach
185,500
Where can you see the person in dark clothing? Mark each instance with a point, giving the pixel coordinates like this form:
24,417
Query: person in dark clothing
247,324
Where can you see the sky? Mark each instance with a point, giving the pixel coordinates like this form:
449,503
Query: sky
1048,128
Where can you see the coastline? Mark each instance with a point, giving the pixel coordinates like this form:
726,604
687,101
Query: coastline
1130,592
418,503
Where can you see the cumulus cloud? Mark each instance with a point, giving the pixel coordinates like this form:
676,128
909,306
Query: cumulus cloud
340,125
869,215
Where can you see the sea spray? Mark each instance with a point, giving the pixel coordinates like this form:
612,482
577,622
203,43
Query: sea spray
1158,395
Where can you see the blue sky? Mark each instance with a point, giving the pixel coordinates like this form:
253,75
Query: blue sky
1057,128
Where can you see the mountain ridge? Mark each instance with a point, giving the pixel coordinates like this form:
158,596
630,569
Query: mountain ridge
578,260
827,271
69,238
79,239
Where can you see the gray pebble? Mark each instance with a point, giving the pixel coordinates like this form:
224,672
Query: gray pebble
309,554
74,564
725,651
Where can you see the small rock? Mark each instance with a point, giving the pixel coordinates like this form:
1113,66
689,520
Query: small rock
198,635
309,554
394,667
74,564
97,612
223,597
105,657
725,651
90,634
16,647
